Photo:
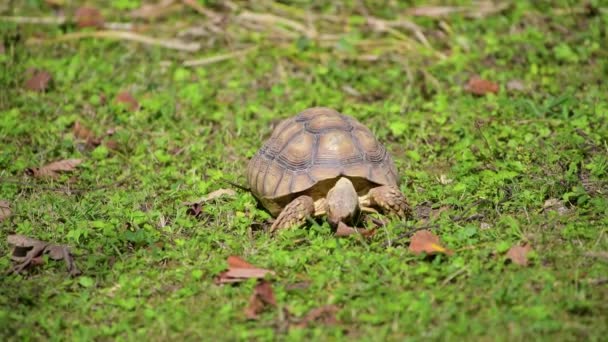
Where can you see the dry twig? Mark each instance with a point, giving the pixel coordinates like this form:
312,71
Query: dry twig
123,35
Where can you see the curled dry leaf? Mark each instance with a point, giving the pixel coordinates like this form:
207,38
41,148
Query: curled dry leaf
38,80
424,241
196,207
88,17
213,195
519,254
53,169
83,133
479,86
346,230
240,270
28,252
262,297
5,210
125,98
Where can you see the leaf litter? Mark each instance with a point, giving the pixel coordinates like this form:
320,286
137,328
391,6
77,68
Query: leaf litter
480,86
88,17
196,207
125,98
240,270
38,80
82,133
29,252
424,241
519,254
262,298
54,169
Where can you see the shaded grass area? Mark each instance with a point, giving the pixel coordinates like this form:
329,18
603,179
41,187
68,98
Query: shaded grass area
149,266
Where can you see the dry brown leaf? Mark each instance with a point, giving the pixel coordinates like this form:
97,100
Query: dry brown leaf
519,254
111,144
213,195
88,17
424,241
345,230
196,207
83,133
38,81
28,252
125,98
5,210
262,297
55,168
479,86
323,315
240,270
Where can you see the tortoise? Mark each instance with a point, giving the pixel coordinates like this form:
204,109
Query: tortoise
322,162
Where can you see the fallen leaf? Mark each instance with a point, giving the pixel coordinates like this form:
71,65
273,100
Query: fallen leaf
111,144
125,98
196,207
519,254
38,81
479,86
83,133
262,297
153,11
424,241
240,270
213,195
324,315
88,17
238,262
28,252
55,168
5,210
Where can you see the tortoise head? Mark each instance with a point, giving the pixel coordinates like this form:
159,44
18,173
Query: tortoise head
342,202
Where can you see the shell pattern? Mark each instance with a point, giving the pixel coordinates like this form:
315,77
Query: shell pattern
317,144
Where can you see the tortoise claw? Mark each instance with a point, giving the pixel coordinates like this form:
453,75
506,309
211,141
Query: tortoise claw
390,200
294,213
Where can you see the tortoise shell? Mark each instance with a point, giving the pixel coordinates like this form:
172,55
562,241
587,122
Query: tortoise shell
307,153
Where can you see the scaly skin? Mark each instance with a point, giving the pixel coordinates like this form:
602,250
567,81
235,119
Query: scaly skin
390,200
294,213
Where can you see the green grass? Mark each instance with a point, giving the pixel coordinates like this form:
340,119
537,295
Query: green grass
148,266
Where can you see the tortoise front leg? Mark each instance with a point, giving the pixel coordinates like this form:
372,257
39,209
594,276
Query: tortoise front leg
389,199
294,213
